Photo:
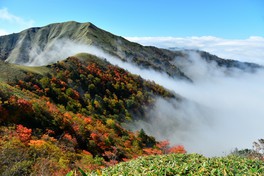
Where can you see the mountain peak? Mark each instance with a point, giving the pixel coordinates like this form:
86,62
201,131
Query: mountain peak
44,45
27,46
70,23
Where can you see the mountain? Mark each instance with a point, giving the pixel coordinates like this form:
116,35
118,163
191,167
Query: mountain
27,46
70,114
17,48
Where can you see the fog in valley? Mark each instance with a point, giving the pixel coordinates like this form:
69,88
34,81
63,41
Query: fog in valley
219,111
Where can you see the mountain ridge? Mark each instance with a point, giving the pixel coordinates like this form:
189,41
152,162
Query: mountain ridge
24,47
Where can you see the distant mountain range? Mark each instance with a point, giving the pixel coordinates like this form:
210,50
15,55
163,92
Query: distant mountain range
24,47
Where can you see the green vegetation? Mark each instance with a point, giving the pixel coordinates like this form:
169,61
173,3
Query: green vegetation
9,72
38,70
185,164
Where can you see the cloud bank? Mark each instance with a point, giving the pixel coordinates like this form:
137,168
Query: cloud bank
12,23
219,112
249,50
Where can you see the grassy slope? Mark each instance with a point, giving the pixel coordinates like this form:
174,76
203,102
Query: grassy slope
13,72
186,164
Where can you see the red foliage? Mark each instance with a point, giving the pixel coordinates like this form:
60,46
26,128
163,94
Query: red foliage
36,87
24,105
67,115
69,139
75,95
87,120
52,108
94,69
94,136
127,144
50,132
125,159
163,145
24,133
87,153
152,151
177,149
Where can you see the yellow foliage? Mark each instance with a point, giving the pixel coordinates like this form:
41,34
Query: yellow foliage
37,143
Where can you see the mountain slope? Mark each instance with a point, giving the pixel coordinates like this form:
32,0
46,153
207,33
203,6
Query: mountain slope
21,47
70,114
33,44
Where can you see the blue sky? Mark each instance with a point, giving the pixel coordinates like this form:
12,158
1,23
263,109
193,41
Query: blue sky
231,19
232,29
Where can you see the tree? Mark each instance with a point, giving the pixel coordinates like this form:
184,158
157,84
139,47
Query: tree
24,133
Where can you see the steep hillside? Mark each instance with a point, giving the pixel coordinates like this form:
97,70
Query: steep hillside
21,47
31,44
70,114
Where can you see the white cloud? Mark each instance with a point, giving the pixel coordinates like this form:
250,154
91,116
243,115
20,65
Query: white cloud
219,113
249,50
3,32
222,111
12,23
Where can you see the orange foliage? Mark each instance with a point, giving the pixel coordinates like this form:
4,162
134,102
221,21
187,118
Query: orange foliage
87,120
163,146
67,115
46,137
36,143
177,149
125,159
50,132
152,151
52,107
94,136
87,153
24,133
68,137
127,144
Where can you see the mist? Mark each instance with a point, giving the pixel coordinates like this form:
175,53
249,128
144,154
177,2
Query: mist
219,111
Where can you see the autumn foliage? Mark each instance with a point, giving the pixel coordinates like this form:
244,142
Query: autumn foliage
24,133
71,117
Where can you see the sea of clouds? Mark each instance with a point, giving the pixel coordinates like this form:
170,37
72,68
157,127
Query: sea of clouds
249,49
218,111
